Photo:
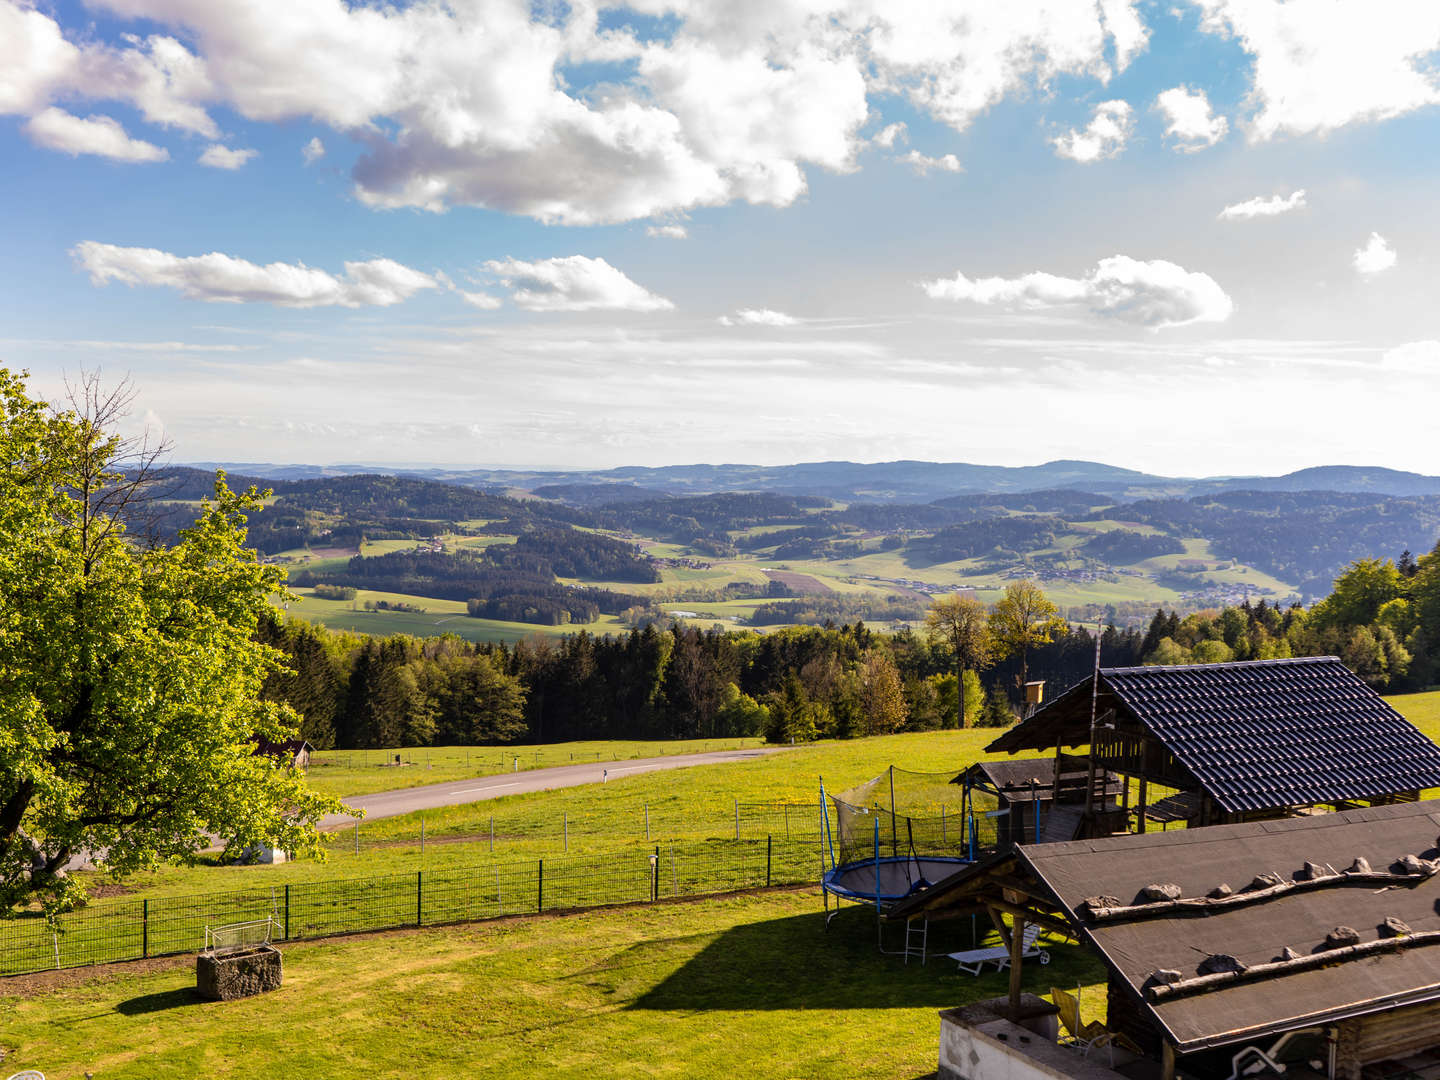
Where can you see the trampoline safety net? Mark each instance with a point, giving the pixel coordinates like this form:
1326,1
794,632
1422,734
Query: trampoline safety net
904,815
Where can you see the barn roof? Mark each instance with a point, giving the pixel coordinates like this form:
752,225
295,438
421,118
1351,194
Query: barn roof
1294,881
1256,734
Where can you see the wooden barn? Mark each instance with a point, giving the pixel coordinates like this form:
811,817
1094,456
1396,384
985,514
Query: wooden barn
1218,743
1027,792
292,752
1308,946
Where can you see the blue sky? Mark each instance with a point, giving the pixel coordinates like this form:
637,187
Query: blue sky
584,235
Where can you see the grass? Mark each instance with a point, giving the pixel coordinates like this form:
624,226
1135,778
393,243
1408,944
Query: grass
687,805
360,772
740,986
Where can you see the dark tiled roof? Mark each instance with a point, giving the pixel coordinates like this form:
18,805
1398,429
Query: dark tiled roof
1269,733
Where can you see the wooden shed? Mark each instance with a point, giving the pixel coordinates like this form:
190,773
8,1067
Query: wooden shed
1235,742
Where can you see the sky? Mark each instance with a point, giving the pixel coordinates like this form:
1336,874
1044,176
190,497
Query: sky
1196,237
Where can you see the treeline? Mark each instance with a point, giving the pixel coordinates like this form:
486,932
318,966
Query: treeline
1382,618
1003,535
1125,546
653,683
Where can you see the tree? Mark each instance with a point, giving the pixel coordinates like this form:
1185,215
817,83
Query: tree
1023,619
959,620
882,698
130,676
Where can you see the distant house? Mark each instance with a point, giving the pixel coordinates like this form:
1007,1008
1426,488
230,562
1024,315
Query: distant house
292,752
1306,945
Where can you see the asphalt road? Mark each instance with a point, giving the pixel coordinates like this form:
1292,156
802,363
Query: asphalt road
384,804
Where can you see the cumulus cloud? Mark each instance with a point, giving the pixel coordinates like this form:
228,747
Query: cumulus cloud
1320,66
1263,207
887,136
923,164
1153,293
667,232
221,278
758,317
313,150
99,135
463,104
1104,137
1191,124
573,283
1416,357
1377,255
222,157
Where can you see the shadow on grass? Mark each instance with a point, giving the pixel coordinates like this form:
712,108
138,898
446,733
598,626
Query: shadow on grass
152,1003
793,963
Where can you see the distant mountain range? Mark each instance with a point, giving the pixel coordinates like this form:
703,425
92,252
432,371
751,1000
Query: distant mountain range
890,481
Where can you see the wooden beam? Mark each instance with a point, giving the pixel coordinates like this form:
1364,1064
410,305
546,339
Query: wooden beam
1144,802
1049,922
1167,1060
999,924
1017,953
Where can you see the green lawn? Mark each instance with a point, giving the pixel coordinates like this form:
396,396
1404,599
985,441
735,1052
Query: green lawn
359,772
748,986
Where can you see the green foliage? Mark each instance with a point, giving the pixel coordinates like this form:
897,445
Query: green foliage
335,592
130,682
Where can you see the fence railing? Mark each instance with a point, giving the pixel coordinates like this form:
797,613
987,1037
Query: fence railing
559,829
133,930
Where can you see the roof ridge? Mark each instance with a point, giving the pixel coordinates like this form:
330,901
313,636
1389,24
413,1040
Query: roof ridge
1285,661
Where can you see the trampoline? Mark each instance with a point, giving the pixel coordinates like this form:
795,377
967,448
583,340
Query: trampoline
896,835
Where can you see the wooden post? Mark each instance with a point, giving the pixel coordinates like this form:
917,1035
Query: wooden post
1144,801
1017,950
1167,1060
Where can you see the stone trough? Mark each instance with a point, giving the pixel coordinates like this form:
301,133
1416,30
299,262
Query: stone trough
225,976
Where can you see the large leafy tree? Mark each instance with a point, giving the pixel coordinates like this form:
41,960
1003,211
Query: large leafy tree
1023,619
130,675
959,621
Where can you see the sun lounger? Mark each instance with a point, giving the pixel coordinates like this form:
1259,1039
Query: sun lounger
973,961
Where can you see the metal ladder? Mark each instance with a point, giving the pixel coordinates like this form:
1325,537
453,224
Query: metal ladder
911,933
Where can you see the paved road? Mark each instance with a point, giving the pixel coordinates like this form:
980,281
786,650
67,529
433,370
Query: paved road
384,804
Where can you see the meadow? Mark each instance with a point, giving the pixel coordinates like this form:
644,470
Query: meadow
743,985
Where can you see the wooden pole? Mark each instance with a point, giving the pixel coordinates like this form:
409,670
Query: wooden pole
1017,951
1144,802
1167,1061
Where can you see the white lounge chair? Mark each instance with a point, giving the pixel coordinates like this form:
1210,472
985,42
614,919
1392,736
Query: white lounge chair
973,961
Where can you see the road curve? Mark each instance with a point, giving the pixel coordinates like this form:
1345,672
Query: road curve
384,804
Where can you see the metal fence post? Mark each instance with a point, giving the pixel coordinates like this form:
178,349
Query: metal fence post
769,841
655,874
419,896
287,912
492,834
566,825
422,834
737,819
145,930
540,888
647,822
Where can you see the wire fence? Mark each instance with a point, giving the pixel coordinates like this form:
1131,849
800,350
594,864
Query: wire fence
137,929
558,829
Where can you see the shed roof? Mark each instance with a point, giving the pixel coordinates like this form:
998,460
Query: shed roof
1257,734
1255,933
1136,943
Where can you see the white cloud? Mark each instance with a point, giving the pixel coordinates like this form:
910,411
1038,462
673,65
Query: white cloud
1191,123
1263,207
99,135
313,150
222,157
923,164
467,104
222,278
1377,255
1156,293
667,232
758,317
1104,137
1416,357
483,301
1320,66
888,135
573,283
